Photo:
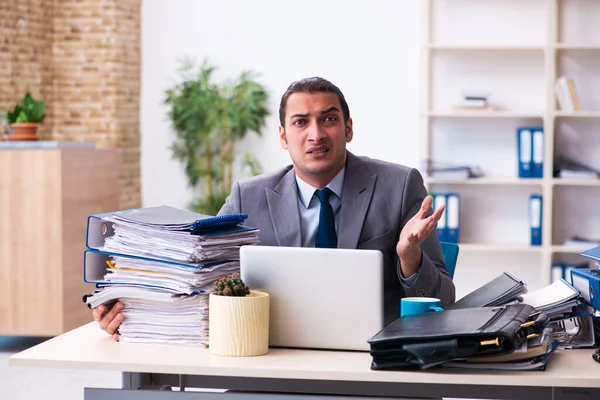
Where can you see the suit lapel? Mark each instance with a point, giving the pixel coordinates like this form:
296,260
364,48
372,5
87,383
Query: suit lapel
356,196
283,208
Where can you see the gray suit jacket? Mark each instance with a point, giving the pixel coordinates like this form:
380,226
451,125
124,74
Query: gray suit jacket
378,199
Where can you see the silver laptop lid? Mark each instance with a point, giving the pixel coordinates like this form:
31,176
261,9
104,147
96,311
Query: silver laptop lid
320,298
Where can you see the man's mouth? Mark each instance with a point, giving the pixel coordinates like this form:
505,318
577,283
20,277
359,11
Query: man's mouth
320,151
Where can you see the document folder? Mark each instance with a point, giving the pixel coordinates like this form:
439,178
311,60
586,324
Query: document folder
525,152
453,218
537,169
162,218
501,290
535,219
439,200
587,282
153,273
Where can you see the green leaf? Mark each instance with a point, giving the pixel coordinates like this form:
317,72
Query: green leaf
22,117
36,114
29,110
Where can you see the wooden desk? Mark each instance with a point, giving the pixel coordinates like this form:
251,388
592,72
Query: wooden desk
47,191
571,374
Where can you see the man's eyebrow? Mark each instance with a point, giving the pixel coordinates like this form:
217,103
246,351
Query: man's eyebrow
326,111
298,115
330,109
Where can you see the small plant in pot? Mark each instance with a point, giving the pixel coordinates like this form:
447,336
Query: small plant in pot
238,319
24,119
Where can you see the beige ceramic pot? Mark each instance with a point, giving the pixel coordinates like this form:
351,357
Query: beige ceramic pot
239,326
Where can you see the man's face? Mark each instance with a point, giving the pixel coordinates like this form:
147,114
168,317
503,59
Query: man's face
315,136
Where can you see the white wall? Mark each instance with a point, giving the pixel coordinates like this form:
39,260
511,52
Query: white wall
369,49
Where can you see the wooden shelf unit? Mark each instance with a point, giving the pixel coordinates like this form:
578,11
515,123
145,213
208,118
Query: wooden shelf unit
515,51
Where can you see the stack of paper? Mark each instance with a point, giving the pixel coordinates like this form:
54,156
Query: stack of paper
161,263
184,321
172,242
556,300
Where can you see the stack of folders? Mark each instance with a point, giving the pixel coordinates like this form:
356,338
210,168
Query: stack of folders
161,262
571,321
559,302
448,227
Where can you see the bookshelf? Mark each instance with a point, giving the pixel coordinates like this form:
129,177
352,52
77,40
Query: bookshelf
515,51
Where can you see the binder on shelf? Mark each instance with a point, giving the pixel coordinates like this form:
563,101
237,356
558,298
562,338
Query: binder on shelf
525,152
453,218
439,199
537,167
535,219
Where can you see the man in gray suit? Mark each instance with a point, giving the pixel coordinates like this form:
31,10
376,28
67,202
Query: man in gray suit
371,204
376,205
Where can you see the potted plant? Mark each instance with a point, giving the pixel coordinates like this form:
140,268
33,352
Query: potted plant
24,120
238,319
209,118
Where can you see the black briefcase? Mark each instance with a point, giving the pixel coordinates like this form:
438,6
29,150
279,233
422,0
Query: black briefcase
430,339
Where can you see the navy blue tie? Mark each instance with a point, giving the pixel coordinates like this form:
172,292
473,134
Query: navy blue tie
326,236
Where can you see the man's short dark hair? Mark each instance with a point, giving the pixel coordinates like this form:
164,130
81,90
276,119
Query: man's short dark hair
312,85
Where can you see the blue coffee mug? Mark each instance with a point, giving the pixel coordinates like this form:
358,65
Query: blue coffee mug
419,305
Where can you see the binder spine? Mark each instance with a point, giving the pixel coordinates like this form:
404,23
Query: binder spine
535,219
453,219
538,153
439,200
97,231
524,152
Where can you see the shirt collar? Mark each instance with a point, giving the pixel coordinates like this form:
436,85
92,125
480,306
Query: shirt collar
306,191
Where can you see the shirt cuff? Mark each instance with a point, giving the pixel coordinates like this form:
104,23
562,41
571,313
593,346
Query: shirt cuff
410,280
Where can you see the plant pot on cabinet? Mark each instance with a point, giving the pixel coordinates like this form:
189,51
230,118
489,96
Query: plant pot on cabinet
23,132
239,326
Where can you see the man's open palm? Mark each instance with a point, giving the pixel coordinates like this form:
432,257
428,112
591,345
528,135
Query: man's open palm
419,227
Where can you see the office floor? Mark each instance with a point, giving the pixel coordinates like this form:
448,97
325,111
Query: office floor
25,383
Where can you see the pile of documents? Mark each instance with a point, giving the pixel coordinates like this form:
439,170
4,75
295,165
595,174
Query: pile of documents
570,324
161,263
499,326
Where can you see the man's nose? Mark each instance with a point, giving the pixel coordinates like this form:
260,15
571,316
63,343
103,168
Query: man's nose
315,132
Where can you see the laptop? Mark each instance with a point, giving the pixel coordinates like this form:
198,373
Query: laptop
319,298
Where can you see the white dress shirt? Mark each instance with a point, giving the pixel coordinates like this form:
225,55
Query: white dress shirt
309,206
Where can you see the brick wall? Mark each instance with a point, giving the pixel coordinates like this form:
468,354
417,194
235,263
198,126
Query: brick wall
25,53
83,58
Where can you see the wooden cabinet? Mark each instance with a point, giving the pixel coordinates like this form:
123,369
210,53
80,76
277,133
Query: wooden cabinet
47,190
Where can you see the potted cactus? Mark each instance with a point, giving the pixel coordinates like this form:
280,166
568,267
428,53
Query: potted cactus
238,319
